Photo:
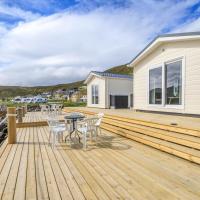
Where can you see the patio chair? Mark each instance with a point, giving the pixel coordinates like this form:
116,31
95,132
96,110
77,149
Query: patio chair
98,123
56,108
56,131
87,129
45,109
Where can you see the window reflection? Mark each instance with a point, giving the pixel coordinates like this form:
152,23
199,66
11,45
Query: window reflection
173,83
155,86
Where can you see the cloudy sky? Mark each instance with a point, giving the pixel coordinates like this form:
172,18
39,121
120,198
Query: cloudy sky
45,42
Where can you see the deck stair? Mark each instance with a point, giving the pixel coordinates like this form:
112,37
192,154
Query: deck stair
178,141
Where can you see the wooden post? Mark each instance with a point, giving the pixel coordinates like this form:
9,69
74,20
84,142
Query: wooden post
26,109
11,114
23,108
20,114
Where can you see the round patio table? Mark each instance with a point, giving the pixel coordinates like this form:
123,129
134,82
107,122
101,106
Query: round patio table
74,117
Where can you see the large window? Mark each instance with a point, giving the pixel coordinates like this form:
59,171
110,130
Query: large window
173,83
155,86
95,94
171,92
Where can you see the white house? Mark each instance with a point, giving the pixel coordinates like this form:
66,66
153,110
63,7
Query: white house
167,74
106,90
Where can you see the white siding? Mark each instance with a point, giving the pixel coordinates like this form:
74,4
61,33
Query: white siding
120,87
190,50
101,83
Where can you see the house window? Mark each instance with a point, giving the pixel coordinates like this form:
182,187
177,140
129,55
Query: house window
155,86
165,84
95,94
173,83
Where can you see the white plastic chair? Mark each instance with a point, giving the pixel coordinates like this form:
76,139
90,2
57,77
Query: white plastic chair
87,129
56,108
44,109
98,123
56,130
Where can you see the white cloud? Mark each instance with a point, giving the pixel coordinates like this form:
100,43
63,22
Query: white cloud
16,12
65,47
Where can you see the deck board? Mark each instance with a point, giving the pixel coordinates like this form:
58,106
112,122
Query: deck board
114,168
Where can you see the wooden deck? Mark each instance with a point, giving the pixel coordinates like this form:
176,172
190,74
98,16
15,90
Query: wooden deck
114,168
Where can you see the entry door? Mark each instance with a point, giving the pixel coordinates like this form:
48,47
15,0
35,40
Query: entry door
121,101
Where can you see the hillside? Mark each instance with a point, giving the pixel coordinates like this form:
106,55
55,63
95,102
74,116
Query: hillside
12,91
121,69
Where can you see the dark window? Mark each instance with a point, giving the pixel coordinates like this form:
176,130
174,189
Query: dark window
155,86
173,83
95,94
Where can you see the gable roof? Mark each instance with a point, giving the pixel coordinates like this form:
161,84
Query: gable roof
106,74
160,40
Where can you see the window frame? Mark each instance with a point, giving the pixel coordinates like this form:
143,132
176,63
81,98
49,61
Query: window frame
151,68
163,104
94,96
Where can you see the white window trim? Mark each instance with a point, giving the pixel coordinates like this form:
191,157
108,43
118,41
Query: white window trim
154,67
95,95
163,105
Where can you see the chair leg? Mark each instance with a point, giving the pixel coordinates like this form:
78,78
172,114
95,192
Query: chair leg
100,130
84,142
50,136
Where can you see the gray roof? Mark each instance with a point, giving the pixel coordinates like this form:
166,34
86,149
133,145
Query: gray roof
164,36
106,74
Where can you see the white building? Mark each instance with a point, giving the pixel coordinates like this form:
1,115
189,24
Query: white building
106,90
167,75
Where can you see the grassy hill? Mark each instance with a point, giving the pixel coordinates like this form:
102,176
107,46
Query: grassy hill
12,91
121,69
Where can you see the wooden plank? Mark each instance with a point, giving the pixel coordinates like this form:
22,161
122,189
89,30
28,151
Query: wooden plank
20,189
12,178
69,178
155,134
50,178
158,173
164,148
177,129
31,190
106,182
7,166
42,191
86,189
97,189
61,183
112,177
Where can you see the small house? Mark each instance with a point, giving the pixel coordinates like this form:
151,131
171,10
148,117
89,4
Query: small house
107,90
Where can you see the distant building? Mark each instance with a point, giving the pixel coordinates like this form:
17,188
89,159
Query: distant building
83,98
106,90
75,97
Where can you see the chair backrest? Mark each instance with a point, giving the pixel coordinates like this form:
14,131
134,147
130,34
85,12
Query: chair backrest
90,123
100,117
52,122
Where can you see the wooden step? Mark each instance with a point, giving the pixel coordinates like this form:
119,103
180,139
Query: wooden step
171,148
168,136
178,141
171,128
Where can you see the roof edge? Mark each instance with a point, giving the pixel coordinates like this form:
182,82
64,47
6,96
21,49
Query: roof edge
161,37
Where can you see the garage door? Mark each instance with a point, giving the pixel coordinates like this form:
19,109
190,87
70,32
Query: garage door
121,101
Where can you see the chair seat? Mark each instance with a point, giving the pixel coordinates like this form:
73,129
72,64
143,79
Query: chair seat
58,129
82,129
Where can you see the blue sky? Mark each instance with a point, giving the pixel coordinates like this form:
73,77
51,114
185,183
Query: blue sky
46,42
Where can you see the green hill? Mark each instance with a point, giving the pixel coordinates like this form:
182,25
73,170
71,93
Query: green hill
121,69
12,91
